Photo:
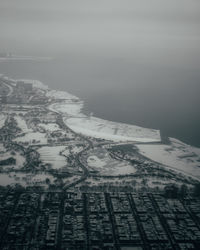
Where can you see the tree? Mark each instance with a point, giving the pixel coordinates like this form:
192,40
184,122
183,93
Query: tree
183,191
197,190
171,191
47,181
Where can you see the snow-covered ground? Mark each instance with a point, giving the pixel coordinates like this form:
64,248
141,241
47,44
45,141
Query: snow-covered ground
71,108
4,154
2,148
35,83
49,126
33,138
71,149
155,182
51,155
25,179
178,156
67,108
22,124
95,162
99,128
76,149
2,120
136,183
69,180
99,160
56,94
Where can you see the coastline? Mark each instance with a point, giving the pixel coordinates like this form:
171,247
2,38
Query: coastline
174,154
71,109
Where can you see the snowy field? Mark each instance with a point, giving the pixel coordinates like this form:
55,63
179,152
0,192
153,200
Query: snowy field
69,180
67,108
21,123
135,182
76,149
33,138
25,179
155,182
72,148
35,83
51,155
99,160
4,154
56,94
99,128
96,127
51,127
71,109
2,120
178,156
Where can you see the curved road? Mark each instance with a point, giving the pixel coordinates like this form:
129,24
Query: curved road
5,82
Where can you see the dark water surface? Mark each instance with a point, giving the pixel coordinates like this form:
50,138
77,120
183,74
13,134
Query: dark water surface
149,95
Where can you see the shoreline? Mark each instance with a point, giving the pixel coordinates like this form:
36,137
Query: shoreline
148,141
71,108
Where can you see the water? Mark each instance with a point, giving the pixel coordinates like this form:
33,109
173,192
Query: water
145,94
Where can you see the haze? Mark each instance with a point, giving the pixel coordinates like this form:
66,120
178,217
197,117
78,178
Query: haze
134,61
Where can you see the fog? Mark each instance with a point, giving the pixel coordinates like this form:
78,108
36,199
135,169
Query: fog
128,28
135,61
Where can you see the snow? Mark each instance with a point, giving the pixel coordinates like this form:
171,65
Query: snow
66,152
71,109
94,161
20,160
35,83
33,138
2,120
24,179
9,88
69,180
2,148
99,160
99,128
51,155
49,126
76,149
161,183
135,182
100,180
56,94
67,108
178,156
96,127
4,154
22,124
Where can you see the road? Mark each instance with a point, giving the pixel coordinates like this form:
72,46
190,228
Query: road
6,83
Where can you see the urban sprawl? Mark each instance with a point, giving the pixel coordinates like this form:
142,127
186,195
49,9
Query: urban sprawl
62,188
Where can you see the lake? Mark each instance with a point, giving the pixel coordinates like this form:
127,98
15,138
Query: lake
120,89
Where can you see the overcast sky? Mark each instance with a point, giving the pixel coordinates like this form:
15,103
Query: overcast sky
133,60
129,27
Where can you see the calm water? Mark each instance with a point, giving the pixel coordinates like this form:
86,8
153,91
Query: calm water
148,95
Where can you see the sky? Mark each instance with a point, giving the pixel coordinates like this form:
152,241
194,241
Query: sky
128,27
142,56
